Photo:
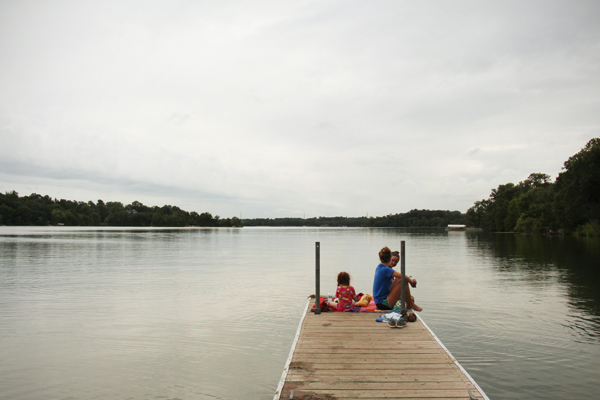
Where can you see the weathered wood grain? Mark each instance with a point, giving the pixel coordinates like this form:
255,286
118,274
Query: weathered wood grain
350,356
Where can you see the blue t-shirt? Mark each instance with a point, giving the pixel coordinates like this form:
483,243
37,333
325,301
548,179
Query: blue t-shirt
382,282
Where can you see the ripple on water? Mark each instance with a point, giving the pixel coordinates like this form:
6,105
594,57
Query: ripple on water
163,314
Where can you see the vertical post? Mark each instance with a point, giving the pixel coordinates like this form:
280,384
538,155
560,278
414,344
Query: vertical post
403,277
317,277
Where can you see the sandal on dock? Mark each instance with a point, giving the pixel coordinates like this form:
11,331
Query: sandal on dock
396,323
411,317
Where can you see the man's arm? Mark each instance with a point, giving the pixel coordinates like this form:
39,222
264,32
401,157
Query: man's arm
412,282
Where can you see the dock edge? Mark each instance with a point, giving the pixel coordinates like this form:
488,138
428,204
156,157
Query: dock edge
289,359
455,360
293,348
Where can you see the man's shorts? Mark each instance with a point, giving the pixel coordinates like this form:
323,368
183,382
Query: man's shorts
384,306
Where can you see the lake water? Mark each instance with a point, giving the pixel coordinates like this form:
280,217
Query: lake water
107,313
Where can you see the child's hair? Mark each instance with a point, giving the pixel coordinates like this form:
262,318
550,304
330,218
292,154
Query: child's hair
385,254
343,278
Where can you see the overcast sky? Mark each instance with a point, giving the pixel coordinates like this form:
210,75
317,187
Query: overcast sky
293,108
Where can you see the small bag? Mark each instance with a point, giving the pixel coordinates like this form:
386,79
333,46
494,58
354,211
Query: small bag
364,301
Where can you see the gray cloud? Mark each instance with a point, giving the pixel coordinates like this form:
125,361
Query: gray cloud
273,109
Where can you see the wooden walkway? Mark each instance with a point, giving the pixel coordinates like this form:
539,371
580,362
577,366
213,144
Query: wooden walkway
350,356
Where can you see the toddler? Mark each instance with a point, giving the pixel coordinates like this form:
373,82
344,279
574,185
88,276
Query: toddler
345,293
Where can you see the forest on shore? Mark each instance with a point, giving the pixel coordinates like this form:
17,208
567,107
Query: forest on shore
39,210
36,209
569,205
413,218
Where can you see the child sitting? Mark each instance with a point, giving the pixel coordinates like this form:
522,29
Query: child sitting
345,294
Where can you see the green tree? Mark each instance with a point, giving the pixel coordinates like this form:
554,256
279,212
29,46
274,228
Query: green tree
58,216
205,219
478,215
501,219
235,221
158,219
523,207
117,216
577,200
95,219
24,215
102,210
36,209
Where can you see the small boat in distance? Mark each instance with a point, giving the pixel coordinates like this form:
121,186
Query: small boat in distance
452,227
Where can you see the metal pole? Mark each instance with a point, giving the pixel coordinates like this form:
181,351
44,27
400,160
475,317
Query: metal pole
403,277
317,277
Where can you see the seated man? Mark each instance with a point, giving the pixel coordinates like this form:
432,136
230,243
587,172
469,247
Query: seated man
387,287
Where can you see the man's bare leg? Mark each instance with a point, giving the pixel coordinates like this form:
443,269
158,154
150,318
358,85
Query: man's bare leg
410,300
396,293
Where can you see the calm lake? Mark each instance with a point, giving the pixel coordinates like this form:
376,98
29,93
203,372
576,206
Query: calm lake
107,313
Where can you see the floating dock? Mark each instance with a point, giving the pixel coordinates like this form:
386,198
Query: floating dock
351,356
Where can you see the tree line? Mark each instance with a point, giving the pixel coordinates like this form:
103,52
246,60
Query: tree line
320,221
36,209
413,218
570,204
419,218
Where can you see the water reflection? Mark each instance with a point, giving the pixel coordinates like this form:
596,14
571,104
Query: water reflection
205,313
569,260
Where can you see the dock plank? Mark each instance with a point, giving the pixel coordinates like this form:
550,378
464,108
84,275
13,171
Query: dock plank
350,356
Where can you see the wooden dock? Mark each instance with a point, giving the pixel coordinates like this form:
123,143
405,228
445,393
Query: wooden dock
350,356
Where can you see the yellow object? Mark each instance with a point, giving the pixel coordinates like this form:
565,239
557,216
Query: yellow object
365,300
